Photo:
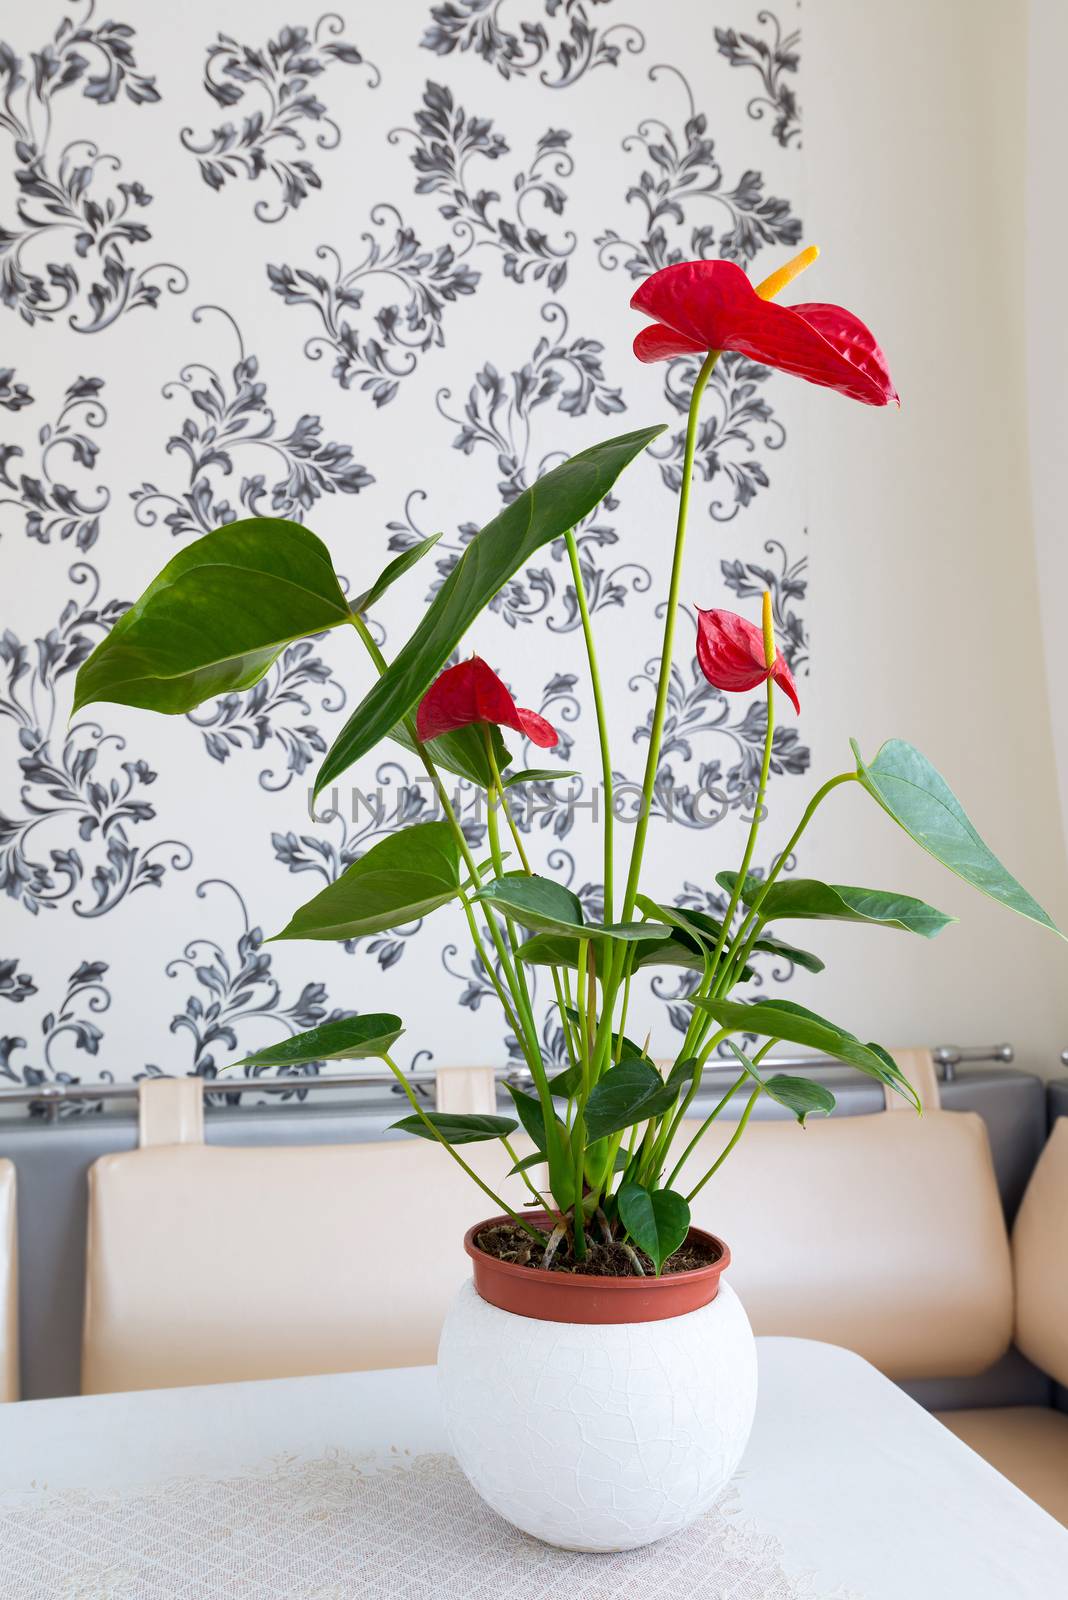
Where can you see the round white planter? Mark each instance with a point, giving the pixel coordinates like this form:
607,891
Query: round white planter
598,1437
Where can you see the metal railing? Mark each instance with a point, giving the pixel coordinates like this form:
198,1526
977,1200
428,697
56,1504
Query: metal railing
48,1099
948,1057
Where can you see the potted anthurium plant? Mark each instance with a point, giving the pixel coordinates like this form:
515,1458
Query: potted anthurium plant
597,1376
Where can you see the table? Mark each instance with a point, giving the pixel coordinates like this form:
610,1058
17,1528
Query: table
856,1489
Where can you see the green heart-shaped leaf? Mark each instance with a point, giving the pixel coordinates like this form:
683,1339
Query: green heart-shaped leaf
628,932
458,1129
679,951
561,950
538,775
547,907
630,1093
808,898
402,878
545,511
461,752
347,1039
894,1074
784,1019
799,1095
534,902
770,945
692,944
550,950
217,616
567,1083
528,1108
536,1158
392,571
658,1220
709,927
920,800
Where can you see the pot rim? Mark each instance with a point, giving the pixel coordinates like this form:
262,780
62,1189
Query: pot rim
584,1281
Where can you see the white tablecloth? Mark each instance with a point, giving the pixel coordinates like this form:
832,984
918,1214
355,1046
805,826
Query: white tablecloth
847,1489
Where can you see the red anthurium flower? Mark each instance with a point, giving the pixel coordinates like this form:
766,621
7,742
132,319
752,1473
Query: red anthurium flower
730,653
472,692
711,305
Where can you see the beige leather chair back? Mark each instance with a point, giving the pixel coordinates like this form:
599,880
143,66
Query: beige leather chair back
1040,1256
9,1293
208,1264
882,1233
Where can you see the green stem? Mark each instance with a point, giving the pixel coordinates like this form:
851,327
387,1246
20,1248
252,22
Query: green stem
602,725
578,1127
492,825
413,1100
750,843
527,868
729,1146
656,733
431,770
699,1023
490,970
498,782
570,1010
623,1017
368,640
703,1129
645,1151
565,1020
670,1124
539,1197
580,1007
519,977
791,845
735,966
519,1018
752,922
523,1025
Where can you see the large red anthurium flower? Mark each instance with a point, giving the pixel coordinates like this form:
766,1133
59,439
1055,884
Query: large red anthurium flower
472,692
711,305
730,653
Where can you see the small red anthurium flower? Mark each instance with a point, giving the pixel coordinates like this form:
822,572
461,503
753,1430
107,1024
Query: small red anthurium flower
711,305
471,692
731,654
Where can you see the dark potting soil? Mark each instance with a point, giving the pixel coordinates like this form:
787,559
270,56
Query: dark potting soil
508,1242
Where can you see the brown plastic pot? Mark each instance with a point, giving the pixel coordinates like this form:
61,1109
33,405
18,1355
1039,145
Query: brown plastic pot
573,1297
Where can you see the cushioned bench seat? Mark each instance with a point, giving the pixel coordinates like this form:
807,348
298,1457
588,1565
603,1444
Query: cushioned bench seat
884,1233
1028,1444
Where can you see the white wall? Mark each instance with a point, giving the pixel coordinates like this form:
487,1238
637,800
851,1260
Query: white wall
925,613
1044,253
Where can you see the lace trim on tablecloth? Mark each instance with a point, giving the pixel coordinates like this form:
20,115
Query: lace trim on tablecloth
346,1527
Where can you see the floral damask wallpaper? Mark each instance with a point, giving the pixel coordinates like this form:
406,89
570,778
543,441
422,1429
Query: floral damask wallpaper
368,269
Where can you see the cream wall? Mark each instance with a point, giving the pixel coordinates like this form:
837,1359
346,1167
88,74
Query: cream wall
1046,248
925,600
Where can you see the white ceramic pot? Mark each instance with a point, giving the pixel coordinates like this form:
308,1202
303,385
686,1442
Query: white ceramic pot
597,1437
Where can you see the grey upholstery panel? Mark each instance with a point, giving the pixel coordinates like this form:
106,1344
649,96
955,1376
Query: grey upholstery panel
1057,1093
1012,1381
1012,1104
